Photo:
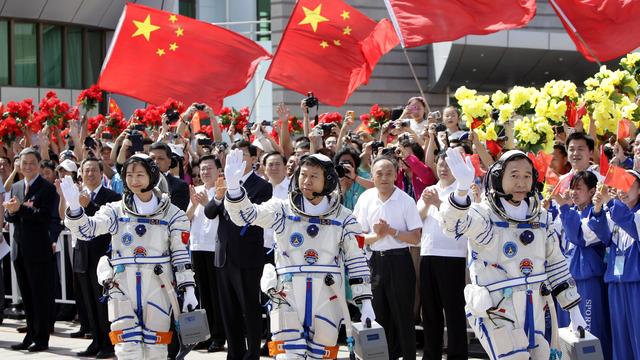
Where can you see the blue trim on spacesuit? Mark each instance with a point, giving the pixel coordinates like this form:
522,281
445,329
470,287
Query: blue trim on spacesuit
326,320
158,307
143,221
139,297
529,323
308,307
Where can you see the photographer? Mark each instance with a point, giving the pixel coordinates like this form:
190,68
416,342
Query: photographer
415,111
187,116
413,175
354,181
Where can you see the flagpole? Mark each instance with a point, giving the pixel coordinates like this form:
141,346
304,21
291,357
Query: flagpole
415,77
255,100
575,31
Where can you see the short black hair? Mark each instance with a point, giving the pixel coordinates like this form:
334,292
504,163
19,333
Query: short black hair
441,155
253,151
273,153
92,159
589,179
561,148
418,151
387,158
210,157
46,164
162,146
591,144
350,152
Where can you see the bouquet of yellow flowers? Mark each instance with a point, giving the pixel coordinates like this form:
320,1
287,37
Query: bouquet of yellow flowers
523,100
476,110
501,104
631,63
533,134
557,101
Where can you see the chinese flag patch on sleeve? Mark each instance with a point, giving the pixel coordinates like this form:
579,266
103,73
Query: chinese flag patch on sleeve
185,237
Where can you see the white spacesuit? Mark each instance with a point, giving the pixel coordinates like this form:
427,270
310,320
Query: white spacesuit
145,245
312,251
513,252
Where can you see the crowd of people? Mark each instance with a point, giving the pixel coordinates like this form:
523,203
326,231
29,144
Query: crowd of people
430,197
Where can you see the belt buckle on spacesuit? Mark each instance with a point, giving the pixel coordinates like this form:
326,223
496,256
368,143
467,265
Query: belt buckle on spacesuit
154,221
276,347
535,225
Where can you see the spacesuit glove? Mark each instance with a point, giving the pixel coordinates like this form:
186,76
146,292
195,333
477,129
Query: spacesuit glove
71,194
461,169
576,319
367,311
233,171
189,299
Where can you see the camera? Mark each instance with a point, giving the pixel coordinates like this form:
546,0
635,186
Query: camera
221,146
136,141
405,123
173,115
390,151
376,145
326,128
436,114
310,101
139,127
266,123
199,106
440,128
404,137
342,172
204,142
90,143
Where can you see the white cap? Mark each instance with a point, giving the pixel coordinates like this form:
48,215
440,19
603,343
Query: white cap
68,165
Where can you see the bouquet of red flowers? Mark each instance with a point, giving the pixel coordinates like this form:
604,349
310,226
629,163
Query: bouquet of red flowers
294,125
89,98
94,122
10,130
21,111
53,112
172,104
376,117
332,117
151,116
232,117
114,123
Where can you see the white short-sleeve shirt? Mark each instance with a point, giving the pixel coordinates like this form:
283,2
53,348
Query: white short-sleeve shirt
204,231
399,211
434,242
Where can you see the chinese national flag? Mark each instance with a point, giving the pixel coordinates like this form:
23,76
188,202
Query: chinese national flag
604,162
618,178
428,21
113,106
477,165
624,129
609,27
562,185
541,162
157,55
329,48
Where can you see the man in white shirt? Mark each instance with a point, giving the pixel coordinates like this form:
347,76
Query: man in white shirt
391,223
276,172
204,232
442,272
580,148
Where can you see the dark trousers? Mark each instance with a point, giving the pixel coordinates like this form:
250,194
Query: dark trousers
36,287
241,310
95,311
207,286
442,281
81,304
393,285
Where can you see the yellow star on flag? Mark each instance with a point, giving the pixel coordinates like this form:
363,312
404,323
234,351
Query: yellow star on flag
173,18
336,42
173,46
144,28
160,52
324,44
345,15
179,31
346,31
313,17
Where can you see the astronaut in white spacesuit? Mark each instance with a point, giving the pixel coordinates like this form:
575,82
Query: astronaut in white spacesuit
149,244
315,243
513,253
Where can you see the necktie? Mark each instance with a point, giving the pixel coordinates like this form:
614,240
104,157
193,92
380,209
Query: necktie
26,188
93,195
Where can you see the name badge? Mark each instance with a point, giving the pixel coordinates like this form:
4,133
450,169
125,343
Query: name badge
618,267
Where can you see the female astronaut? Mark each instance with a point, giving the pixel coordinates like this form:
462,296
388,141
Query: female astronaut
315,239
512,253
149,237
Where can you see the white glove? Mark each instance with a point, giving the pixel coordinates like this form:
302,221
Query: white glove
367,311
233,171
576,319
461,169
71,193
189,299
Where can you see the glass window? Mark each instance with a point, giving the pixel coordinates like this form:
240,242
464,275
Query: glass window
95,56
187,8
26,54
4,53
74,58
52,56
264,17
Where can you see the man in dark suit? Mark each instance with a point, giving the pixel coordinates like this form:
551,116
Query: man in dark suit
178,189
29,209
86,255
239,255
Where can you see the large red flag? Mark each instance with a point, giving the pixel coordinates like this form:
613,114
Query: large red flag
427,21
329,48
604,162
609,27
157,55
624,129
